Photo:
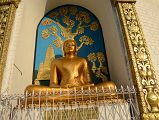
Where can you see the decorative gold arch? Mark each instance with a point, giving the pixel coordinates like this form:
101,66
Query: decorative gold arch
139,58
7,14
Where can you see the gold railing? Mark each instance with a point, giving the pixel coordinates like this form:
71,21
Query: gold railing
81,104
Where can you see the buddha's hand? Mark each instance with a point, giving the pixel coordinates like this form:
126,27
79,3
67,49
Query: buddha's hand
88,83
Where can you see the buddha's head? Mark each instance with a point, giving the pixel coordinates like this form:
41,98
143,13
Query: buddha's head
70,47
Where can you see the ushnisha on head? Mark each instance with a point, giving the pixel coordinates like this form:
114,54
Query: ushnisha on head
70,47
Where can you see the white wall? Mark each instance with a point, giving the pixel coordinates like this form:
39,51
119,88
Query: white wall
149,19
34,11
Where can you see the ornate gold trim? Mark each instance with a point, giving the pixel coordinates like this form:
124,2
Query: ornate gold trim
116,1
7,9
7,2
123,1
139,58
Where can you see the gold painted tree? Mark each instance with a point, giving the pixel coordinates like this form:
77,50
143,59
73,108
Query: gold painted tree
68,23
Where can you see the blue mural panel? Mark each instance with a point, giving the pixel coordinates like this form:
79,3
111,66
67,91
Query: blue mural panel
69,22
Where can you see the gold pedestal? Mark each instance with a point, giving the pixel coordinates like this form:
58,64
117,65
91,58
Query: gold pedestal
39,95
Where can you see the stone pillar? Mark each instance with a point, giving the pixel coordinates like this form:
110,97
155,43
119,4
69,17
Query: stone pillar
7,14
143,73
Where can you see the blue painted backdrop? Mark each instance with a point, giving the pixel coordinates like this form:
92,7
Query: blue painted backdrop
75,22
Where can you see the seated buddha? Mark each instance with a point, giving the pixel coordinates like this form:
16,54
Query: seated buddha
70,72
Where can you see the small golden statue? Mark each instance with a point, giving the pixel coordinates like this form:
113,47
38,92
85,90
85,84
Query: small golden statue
69,72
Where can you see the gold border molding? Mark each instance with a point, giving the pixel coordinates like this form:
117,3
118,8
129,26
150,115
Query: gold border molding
6,2
7,14
139,58
116,1
123,1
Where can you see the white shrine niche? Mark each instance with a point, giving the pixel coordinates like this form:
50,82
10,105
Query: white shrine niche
25,44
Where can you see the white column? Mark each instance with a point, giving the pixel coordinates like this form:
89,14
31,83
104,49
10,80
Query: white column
12,49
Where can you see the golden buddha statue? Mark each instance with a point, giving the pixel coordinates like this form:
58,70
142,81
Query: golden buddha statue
69,72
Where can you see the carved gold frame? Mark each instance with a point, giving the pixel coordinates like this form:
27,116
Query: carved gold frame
7,12
139,58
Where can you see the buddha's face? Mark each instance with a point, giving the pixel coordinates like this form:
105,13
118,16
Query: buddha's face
69,46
